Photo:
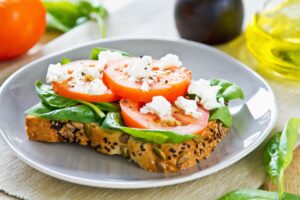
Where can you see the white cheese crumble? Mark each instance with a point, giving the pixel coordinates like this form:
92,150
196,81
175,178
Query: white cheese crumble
168,61
159,106
55,73
188,106
205,93
94,87
84,76
107,56
145,86
140,68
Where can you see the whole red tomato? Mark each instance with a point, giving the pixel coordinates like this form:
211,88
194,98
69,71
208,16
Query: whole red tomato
22,23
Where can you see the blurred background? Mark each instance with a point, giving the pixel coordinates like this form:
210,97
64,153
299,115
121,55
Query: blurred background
263,34
52,25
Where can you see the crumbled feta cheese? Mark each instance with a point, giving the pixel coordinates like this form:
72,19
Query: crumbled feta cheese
169,60
145,86
207,94
140,68
94,87
84,76
83,72
55,73
159,106
107,56
188,106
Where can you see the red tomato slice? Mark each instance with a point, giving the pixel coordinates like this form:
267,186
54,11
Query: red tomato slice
134,118
171,83
63,89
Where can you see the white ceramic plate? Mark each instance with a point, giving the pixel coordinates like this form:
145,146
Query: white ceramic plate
253,117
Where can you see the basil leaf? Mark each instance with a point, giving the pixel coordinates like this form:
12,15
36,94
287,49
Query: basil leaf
113,120
64,61
47,95
288,141
95,51
223,114
278,154
286,148
229,90
271,157
78,113
251,194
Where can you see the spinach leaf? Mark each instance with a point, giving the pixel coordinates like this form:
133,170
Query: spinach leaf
64,15
95,51
113,107
47,95
223,114
251,194
271,157
93,107
65,60
113,120
229,91
78,113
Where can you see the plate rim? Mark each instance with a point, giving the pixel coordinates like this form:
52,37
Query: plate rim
154,182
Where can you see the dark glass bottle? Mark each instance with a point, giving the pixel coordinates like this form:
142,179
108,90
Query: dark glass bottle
209,21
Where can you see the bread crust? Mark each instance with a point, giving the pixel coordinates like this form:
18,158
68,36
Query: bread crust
152,157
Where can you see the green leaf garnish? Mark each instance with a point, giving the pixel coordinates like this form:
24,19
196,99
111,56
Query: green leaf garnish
229,90
77,113
251,194
279,152
64,15
48,96
65,60
223,114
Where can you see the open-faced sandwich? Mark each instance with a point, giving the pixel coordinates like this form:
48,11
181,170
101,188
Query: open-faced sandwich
147,110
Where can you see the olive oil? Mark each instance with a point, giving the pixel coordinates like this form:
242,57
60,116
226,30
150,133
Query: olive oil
273,37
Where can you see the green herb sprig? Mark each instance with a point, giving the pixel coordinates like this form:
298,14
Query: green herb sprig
228,91
64,15
278,156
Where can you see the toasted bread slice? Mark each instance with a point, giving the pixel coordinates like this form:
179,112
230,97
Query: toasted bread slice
152,157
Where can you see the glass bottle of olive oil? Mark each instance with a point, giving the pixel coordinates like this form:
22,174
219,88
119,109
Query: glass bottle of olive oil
273,37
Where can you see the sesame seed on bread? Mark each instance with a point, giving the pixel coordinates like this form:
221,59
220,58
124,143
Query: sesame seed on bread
152,157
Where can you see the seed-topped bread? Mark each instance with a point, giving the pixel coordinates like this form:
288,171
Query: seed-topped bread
152,157
174,157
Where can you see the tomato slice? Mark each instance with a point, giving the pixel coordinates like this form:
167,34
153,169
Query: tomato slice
84,74
170,83
61,89
134,118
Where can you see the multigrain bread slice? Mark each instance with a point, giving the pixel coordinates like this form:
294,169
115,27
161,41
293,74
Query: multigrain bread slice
152,157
